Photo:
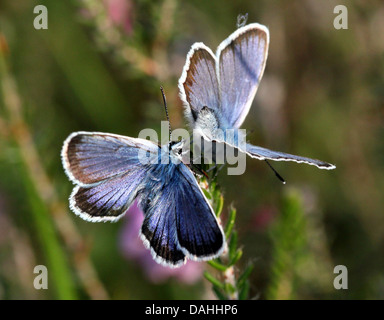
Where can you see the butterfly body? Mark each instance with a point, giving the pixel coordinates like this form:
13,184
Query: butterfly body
207,121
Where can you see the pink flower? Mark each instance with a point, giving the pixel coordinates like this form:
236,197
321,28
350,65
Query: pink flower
133,249
120,14
263,217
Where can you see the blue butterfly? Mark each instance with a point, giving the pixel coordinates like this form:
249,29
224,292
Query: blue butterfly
217,90
110,172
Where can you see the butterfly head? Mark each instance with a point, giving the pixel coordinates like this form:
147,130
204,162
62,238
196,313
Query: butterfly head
178,150
176,147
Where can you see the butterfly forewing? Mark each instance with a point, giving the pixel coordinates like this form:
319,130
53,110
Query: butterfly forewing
198,84
91,157
107,171
241,63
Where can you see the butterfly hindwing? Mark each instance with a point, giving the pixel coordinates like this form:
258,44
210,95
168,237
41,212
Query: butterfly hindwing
263,153
199,232
159,230
178,216
108,200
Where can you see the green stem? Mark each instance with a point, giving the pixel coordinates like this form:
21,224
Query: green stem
227,286
57,264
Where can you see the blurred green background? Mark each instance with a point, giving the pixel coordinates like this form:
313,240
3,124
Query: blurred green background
99,66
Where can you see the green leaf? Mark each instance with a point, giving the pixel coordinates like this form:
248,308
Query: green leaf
217,265
229,288
233,245
230,223
213,280
216,194
244,292
207,193
219,294
236,257
219,205
243,278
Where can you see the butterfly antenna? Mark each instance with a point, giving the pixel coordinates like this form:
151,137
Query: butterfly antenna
166,111
276,173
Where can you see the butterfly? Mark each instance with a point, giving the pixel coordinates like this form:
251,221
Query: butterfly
110,171
217,90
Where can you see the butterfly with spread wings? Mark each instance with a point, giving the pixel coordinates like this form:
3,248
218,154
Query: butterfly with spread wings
111,171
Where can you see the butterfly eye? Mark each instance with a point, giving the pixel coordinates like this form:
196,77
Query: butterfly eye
205,110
